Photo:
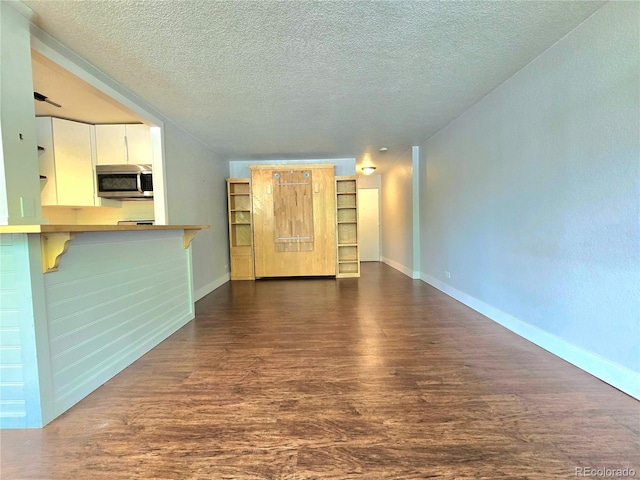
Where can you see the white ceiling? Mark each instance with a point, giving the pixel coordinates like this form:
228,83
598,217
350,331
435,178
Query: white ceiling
267,79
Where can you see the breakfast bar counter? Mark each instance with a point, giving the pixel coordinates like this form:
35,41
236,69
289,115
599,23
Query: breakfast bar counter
55,238
46,228
79,303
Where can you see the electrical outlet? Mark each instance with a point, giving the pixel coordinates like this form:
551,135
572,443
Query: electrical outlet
447,273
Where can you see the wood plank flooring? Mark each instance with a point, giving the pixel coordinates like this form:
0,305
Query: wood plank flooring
380,377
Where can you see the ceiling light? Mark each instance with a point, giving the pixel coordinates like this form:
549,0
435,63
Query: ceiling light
384,149
368,170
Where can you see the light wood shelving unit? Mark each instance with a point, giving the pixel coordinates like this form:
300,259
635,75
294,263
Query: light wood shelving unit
240,228
347,249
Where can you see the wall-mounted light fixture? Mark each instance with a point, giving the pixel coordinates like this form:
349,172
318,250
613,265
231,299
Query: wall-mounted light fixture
368,170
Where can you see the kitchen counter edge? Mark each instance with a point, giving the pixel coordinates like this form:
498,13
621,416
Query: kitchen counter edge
47,228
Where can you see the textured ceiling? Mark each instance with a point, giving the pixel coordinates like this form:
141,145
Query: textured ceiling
256,80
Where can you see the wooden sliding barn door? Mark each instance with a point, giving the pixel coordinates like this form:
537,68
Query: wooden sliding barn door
294,220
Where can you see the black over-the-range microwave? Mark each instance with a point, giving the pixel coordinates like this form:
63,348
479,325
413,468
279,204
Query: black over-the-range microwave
125,182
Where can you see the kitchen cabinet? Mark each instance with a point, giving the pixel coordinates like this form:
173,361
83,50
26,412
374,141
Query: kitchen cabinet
44,134
66,162
121,144
139,144
111,147
240,228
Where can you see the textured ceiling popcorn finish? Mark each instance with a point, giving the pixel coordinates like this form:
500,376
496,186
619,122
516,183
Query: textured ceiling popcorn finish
259,80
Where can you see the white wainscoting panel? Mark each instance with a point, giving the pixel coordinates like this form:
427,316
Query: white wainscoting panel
19,391
116,296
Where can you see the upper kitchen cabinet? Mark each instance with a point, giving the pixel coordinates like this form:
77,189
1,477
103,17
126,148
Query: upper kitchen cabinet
65,162
111,146
139,144
123,144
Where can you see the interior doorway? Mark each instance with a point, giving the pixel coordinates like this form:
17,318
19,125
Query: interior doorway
369,223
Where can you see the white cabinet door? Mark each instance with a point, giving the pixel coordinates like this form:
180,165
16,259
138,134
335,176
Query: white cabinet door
139,144
122,144
74,172
44,134
111,148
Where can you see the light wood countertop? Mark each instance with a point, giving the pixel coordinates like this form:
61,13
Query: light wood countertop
55,239
93,228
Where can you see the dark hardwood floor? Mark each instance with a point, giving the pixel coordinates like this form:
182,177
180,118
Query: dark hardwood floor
380,377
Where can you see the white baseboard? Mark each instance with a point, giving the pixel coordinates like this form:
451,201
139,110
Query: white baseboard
612,373
211,286
401,268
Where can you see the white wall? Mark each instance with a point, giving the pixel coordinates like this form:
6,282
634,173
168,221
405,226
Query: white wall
197,194
240,168
397,215
532,200
19,172
370,181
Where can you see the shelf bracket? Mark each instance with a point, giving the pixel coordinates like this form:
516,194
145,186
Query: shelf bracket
187,236
53,246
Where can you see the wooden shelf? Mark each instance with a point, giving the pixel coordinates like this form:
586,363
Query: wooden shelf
238,186
241,251
348,270
346,185
347,215
239,203
347,249
346,201
240,217
347,253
